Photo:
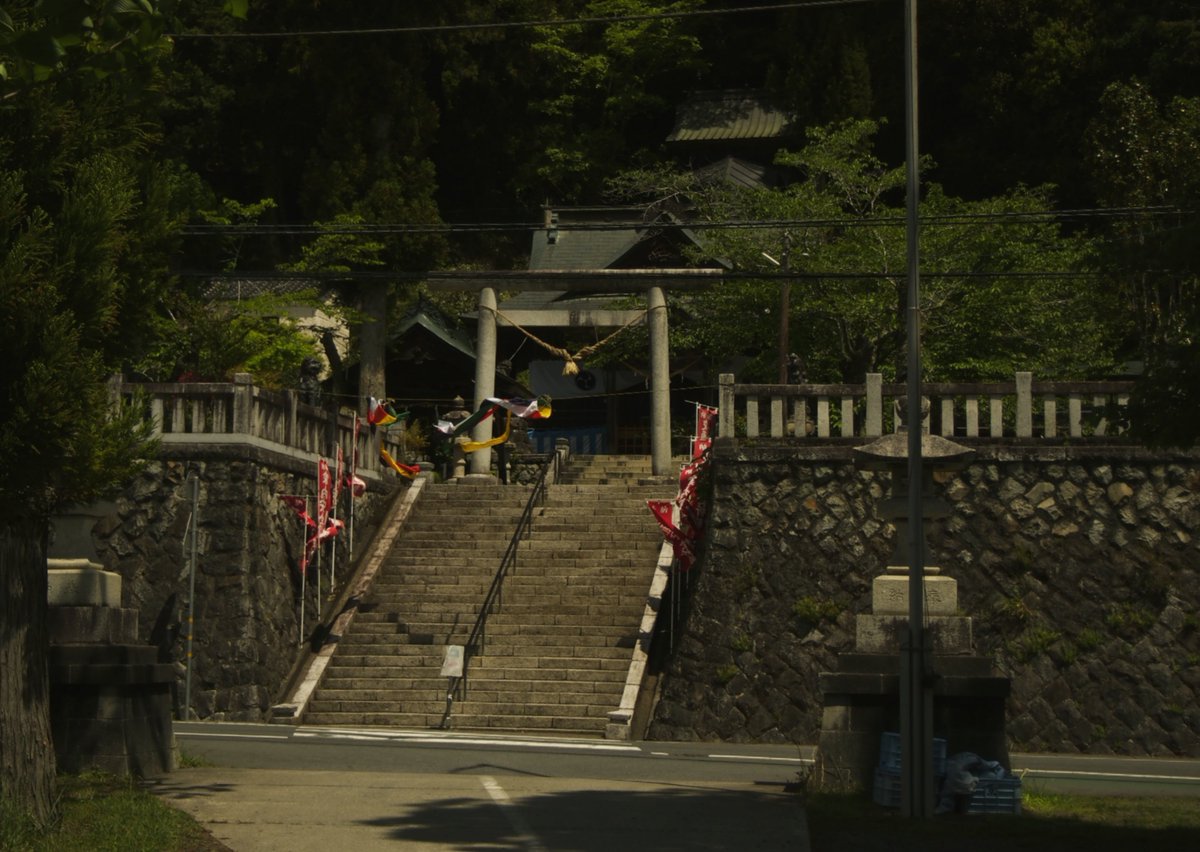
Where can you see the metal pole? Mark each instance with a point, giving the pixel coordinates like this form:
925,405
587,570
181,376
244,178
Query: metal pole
353,474
785,309
915,695
303,568
193,523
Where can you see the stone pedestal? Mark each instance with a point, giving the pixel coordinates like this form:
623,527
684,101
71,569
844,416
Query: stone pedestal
862,698
110,697
862,701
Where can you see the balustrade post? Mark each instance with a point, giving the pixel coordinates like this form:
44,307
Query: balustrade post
725,418
243,402
996,416
291,407
1024,405
874,419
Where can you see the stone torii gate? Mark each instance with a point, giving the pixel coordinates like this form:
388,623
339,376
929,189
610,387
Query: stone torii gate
652,282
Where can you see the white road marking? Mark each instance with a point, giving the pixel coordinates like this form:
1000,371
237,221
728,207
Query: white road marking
449,739
1126,776
233,736
512,813
756,759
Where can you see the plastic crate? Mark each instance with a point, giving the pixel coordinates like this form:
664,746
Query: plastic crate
889,753
996,796
886,791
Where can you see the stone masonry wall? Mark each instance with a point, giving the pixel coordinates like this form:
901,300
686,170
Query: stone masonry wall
1081,568
247,589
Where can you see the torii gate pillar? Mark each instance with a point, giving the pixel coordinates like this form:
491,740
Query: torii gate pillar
485,375
660,382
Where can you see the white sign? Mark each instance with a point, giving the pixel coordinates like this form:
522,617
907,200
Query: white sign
452,665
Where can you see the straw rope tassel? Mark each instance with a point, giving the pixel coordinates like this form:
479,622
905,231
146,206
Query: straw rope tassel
571,367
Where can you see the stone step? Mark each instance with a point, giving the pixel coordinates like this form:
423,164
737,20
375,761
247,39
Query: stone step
557,650
510,708
495,659
581,680
462,721
424,622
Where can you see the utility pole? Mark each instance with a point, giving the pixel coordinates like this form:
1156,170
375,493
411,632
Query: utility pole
785,309
916,693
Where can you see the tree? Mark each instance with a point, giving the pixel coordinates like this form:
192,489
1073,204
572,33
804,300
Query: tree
1145,154
1005,288
86,221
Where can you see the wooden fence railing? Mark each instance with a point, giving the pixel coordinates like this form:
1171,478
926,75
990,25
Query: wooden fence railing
1021,408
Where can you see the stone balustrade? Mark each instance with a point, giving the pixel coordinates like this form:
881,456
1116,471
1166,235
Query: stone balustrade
1022,408
238,413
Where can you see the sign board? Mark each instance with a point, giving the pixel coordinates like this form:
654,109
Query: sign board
452,665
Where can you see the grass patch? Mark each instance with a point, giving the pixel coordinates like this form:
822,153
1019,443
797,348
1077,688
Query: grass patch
104,813
815,610
1048,823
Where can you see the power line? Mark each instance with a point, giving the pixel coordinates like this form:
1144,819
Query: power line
940,220
516,277
516,25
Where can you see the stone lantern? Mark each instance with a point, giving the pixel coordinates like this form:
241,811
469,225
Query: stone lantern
458,458
883,629
862,699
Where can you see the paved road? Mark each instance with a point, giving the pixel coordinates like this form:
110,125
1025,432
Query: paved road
1089,775
277,788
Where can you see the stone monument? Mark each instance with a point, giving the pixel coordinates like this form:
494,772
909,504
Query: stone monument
862,698
110,696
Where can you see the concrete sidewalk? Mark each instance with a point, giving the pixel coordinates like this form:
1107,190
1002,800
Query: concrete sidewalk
269,810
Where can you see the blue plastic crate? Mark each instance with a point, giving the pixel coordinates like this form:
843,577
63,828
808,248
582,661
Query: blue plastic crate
996,796
889,753
886,791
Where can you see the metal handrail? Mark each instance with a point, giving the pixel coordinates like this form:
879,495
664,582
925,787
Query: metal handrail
478,636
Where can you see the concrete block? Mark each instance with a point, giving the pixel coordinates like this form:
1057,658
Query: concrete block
78,582
889,595
877,634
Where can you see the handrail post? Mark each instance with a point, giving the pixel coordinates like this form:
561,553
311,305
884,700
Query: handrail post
291,406
243,400
725,418
1024,405
874,419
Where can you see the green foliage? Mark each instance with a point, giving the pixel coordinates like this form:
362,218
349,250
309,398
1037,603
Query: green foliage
814,610
105,813
204,341
1128,619
1034,642
741,642
44,40
1143,152
597,87
1089,639
996,299
725,673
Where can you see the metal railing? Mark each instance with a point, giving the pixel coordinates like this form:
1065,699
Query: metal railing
477,639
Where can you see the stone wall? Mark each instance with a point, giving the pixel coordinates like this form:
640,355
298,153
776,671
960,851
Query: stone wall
246,634
1080,566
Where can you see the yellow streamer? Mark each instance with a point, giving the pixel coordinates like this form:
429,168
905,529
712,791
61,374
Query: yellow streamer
472,446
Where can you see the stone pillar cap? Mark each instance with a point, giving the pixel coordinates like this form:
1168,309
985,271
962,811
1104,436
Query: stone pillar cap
890,451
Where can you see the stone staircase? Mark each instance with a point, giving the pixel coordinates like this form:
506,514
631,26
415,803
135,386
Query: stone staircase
557,649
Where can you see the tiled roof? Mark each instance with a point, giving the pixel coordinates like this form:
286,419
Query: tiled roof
587,249
727,115
229,289
734,170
